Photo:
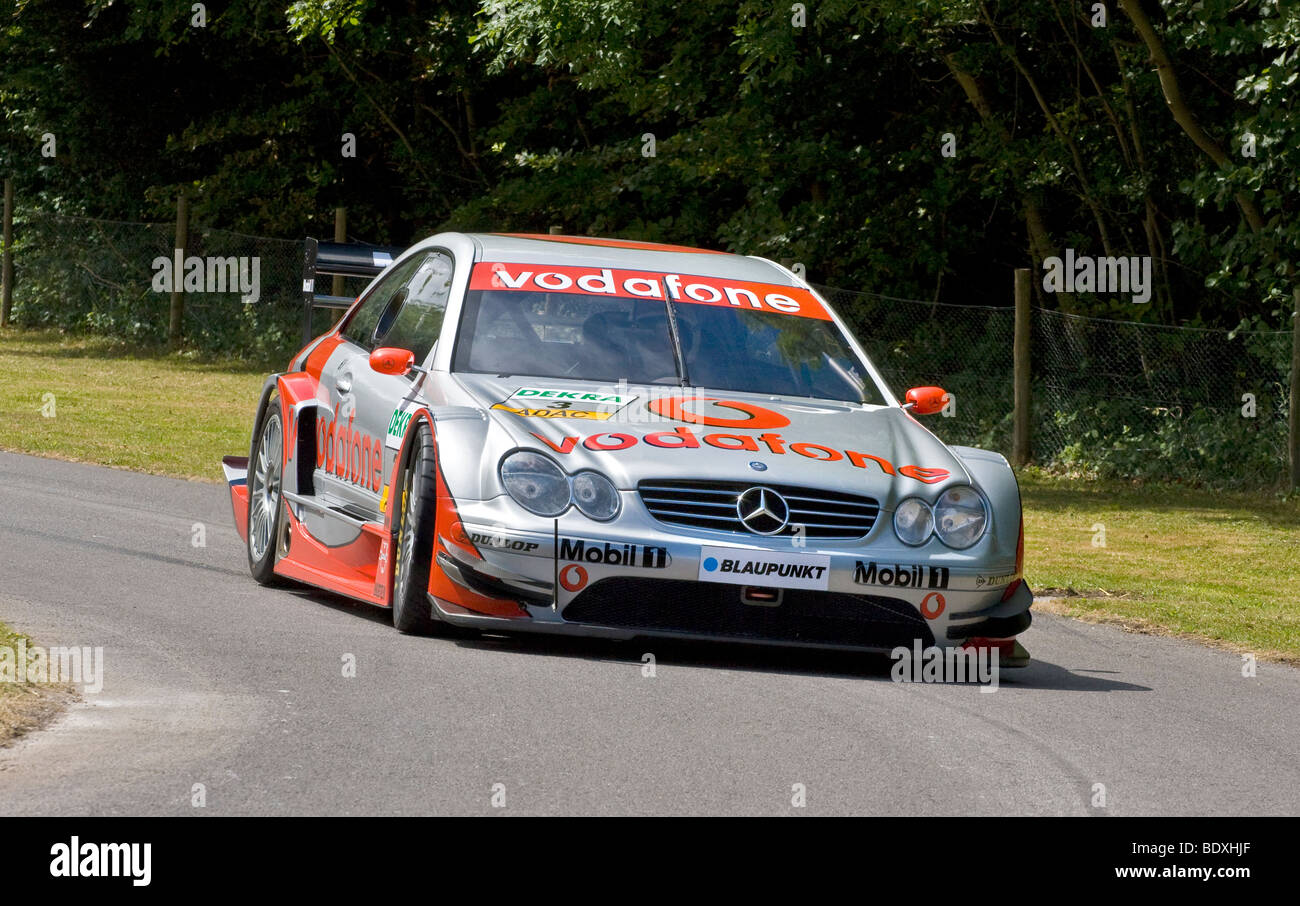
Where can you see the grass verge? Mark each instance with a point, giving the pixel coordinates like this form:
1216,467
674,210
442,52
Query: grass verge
26,706
95,400
1217,567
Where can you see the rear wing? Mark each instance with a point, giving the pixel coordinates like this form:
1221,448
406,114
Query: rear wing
337,259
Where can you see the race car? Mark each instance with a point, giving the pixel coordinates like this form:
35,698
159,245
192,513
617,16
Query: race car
609,438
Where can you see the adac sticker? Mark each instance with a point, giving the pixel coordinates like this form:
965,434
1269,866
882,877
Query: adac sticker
544,402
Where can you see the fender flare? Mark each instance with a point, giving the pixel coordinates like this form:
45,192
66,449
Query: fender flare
418,415
446,510
268,387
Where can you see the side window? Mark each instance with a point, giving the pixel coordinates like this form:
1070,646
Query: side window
417,325
360,328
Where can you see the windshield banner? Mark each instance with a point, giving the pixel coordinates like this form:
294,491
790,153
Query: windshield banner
605,281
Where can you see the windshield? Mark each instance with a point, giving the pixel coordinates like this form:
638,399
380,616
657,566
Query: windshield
611,339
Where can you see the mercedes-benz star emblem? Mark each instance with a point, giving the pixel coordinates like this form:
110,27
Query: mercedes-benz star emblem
763,511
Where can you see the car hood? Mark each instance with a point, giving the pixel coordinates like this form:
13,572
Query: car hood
880,451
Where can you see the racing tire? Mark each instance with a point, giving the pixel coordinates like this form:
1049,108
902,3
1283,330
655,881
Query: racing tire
265,500
417,503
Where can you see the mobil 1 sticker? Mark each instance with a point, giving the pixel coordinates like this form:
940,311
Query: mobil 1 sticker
738,566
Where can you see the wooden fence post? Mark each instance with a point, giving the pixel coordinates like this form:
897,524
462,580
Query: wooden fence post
340,235
7,267
178,271
1295,393
1021,449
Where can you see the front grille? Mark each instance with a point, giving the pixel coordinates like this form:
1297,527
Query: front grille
714,609
712,505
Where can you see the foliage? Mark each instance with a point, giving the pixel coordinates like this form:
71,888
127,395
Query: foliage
814,141
808,133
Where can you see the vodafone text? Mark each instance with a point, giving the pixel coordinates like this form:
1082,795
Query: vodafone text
683,438
699,290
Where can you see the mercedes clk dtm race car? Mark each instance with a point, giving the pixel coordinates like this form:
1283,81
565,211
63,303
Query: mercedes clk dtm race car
617,439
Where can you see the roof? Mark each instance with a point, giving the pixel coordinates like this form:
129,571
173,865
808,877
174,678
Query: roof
584,251
611,243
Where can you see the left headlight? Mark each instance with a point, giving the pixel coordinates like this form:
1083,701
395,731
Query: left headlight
536,483
959,517
595,495
540,486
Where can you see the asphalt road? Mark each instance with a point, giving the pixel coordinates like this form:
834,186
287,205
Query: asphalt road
211,679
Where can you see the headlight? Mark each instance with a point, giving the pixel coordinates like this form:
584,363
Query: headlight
595,495
913,521
959,517
536,483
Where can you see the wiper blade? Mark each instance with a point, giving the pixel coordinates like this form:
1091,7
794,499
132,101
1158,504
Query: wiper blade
678,355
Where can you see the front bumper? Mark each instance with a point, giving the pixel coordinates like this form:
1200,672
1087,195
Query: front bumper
637,577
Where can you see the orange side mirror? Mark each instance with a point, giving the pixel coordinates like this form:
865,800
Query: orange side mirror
927,400
391,360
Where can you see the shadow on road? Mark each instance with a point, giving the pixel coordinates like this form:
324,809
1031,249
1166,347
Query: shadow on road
720,655
808,662
1053,677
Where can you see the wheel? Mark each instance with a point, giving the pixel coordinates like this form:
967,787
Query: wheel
264,498
417,505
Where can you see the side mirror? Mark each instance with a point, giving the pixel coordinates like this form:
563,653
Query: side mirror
391,360
926,400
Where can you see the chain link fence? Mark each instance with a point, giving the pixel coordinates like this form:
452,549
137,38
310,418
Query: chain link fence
113,278
1163,402
964,349
1110,398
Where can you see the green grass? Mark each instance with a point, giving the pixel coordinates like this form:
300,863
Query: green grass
1219,567
1216,566
113,405
25,706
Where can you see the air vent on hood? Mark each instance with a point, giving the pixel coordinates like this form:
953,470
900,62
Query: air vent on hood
712,505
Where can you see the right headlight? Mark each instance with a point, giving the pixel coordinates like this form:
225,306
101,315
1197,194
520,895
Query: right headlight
913,521
536,483
959,517
595,495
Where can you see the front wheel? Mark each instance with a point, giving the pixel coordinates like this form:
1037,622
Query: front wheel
417,506
265,501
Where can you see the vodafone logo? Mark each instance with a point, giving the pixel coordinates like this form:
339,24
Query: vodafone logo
606,281
931,611
573,577
756,417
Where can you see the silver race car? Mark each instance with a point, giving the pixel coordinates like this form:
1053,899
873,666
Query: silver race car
607,438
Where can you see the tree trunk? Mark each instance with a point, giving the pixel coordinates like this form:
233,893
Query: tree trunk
1182,114
1040,242
1080,172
